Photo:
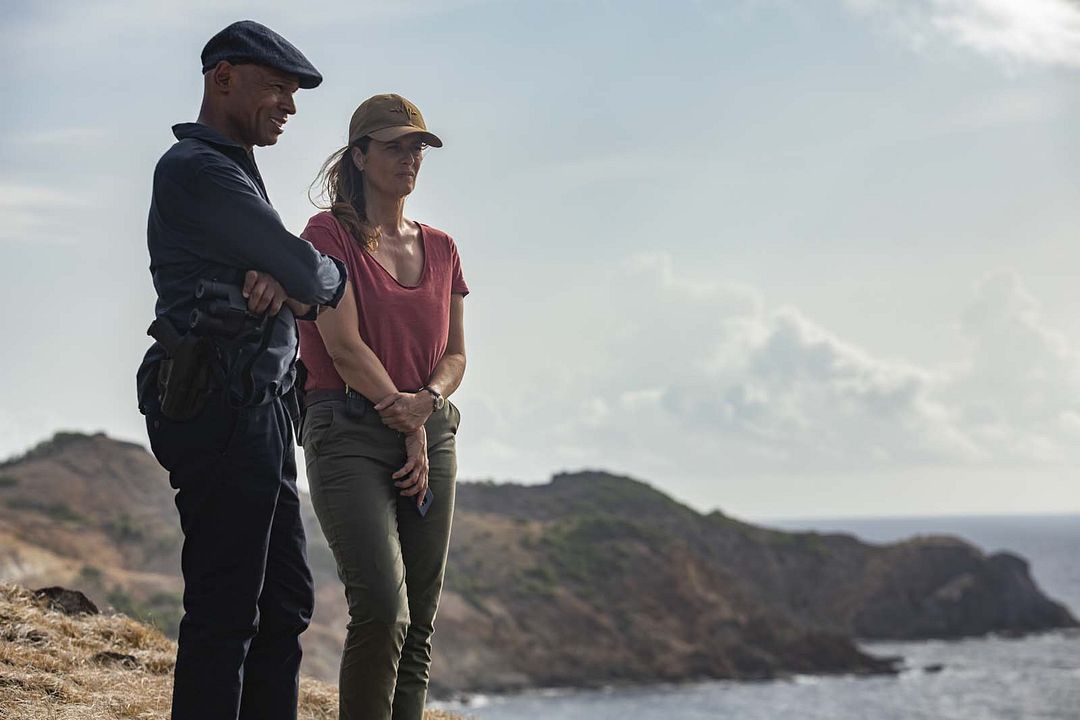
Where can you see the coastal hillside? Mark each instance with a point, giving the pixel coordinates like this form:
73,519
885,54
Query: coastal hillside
62,659
594,578
588,580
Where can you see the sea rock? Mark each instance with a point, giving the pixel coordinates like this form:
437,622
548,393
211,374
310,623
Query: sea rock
939,587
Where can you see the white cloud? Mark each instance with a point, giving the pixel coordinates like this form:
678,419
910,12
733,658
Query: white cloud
1017,32
691,375
1020,392
803,394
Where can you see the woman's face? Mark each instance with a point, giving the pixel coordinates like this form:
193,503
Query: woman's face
391,167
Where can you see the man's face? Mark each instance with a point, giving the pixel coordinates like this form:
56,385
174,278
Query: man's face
260,102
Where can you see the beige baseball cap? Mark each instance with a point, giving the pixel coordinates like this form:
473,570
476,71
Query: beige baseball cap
388,117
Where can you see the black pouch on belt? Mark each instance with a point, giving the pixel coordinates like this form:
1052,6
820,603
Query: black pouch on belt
356,405
184,376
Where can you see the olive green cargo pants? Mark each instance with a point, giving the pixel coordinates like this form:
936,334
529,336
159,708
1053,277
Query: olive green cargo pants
390,559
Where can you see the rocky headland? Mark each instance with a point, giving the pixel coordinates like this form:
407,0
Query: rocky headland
588,580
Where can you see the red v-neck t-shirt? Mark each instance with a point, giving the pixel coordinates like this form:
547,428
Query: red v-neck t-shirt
405,326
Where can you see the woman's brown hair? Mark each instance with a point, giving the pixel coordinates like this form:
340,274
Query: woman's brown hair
341,183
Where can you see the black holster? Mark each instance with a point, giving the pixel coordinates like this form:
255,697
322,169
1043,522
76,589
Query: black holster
184,375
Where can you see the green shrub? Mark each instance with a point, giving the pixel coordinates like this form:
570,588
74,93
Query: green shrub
57,511
124,529
91,575
122,602
164,610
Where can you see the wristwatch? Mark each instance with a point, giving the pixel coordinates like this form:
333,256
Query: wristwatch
437,400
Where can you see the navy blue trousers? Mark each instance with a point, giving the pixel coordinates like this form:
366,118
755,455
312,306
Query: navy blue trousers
248,592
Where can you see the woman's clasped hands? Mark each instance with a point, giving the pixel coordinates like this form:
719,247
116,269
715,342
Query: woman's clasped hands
404,411
407,413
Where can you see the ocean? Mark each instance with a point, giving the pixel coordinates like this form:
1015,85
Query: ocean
1032,678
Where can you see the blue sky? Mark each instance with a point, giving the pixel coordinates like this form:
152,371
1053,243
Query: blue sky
777,257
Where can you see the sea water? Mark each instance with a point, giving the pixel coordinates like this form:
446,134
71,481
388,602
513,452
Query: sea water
1032,678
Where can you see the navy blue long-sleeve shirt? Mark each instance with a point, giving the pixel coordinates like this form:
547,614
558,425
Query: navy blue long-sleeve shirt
210,218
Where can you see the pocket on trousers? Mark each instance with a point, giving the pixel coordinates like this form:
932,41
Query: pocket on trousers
159,441
210,433
318,419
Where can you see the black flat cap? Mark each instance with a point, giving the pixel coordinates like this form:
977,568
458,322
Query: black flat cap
247,41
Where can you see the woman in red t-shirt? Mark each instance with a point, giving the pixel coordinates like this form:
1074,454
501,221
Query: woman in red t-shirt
378,432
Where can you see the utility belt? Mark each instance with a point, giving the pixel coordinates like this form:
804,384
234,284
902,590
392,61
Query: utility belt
192,364
356,405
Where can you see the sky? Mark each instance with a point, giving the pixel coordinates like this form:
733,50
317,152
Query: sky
775,257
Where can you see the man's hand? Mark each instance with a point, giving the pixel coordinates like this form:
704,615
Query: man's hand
413,474
405,412
263,293
298,308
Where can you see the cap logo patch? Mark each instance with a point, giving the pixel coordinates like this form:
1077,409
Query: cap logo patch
404,110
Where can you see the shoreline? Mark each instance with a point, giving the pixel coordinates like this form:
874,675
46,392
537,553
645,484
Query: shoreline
464,700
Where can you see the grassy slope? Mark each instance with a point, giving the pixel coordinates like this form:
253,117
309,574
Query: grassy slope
52,667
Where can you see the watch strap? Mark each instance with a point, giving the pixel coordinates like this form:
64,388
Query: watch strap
436,397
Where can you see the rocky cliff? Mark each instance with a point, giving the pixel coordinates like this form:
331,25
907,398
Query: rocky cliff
598,578
589,579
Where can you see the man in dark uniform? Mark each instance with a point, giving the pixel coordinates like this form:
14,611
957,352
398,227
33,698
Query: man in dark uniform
248,591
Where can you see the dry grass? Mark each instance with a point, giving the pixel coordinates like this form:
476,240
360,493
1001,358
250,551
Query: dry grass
52,667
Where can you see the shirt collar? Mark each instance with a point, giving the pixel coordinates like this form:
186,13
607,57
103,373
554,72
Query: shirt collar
205,133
